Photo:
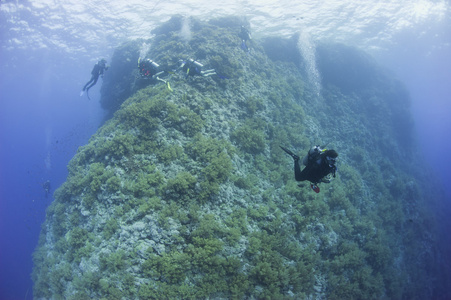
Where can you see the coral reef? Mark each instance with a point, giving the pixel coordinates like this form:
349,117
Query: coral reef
185,194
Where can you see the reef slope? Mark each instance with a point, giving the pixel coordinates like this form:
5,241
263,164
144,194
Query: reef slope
186,194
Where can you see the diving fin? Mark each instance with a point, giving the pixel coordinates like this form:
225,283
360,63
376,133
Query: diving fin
315,187
82,93
295,157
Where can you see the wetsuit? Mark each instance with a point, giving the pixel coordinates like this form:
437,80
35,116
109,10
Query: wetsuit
315,170
148,68
98,70
244,36
190,68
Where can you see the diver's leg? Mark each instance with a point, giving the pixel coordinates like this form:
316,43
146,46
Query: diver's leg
88,83
166,82
93,83
159,79
297,171
208,72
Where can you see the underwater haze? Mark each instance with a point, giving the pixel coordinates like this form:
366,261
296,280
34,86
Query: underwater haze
49,48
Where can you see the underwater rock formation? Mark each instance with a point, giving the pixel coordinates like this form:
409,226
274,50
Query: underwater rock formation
185,193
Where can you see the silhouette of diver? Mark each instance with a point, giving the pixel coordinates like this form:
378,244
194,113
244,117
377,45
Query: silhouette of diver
98,69
193,68
245,36
148,69
46,187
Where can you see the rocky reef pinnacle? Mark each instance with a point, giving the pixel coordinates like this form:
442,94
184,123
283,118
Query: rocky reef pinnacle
184,192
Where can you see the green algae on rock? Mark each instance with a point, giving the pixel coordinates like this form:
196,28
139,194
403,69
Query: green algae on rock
185,194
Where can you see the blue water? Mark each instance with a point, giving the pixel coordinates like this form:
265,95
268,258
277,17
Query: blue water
47,53
43,121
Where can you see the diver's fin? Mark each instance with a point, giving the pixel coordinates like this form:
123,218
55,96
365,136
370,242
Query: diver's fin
315,187
169,86
87,94
82,93
290,153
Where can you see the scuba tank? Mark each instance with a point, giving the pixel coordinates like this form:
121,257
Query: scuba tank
313,154
143,63
196,63
154,64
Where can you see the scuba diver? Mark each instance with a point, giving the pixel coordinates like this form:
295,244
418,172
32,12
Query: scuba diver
99,69
148,69
245,36
46,187
193,68
319,166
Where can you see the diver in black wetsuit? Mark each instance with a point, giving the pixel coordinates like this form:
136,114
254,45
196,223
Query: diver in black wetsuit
46,187
245,36
319,163
148,69
192,68
99,69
